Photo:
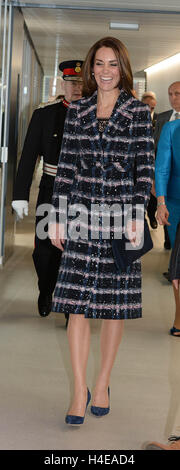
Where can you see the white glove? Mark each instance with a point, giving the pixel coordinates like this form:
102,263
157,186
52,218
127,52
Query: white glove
21,208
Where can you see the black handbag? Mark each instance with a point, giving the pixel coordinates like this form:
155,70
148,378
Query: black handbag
174,267
124,256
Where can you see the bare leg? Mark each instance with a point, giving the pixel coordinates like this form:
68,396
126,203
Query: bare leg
78,333
111,334
177,314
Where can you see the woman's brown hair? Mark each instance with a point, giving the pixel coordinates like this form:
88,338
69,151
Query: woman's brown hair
126,77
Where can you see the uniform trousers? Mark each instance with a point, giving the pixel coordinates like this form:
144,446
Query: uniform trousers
46,257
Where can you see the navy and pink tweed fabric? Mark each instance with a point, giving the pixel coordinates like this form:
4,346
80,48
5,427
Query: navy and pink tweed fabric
99,169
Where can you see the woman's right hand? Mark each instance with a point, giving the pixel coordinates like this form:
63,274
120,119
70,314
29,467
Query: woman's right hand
162,215
56,235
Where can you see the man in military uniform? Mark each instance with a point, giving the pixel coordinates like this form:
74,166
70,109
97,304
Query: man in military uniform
44,138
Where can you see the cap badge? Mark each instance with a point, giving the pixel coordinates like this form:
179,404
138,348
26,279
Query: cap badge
78,67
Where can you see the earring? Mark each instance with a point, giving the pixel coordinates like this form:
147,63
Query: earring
93,74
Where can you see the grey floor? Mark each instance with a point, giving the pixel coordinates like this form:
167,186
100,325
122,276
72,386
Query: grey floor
35,374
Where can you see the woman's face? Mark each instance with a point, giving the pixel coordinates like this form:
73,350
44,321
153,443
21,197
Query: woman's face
106,69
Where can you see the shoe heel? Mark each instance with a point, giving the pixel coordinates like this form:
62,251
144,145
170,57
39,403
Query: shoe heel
101,411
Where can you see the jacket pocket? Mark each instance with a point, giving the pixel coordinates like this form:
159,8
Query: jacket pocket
121,163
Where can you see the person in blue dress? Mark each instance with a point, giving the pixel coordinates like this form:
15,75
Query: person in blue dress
167,183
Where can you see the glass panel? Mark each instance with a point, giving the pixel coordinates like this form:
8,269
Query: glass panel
25,90
31,84
4,88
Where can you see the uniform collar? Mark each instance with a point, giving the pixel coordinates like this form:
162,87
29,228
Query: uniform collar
65,103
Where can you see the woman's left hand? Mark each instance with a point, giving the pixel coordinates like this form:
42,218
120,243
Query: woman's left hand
134,230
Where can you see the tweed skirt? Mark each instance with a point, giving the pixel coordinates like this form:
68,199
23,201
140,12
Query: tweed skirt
88,283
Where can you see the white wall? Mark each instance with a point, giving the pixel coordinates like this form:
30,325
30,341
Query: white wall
160,77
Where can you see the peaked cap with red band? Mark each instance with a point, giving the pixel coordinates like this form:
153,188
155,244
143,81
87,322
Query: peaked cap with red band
71,69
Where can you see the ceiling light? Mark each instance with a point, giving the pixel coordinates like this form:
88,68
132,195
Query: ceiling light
129,26
175,59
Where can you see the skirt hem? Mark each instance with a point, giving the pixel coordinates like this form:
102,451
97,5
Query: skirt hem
101,317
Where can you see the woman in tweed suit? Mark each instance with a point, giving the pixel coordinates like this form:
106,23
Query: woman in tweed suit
104,134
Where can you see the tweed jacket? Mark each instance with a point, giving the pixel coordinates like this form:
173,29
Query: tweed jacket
126,149
101,170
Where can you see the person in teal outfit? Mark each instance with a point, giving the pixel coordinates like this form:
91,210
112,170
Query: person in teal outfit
167,183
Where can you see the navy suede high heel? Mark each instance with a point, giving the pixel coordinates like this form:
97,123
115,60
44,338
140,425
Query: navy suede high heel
99,410
77,420
173,332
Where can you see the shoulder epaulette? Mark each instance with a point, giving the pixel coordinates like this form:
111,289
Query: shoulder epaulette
43,105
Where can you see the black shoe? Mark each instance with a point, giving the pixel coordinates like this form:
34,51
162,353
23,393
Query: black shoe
44,304
167,276
167,245
153,223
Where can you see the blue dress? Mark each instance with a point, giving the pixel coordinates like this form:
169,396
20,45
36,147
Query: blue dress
167,173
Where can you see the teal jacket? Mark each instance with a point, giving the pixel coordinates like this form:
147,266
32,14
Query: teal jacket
167,166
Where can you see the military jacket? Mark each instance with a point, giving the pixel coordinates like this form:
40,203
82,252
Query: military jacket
43,138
